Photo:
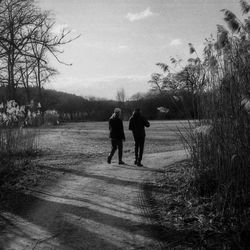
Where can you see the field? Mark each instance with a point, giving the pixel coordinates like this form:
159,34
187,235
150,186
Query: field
90,140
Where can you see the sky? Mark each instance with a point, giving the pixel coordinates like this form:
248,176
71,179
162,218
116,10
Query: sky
122,40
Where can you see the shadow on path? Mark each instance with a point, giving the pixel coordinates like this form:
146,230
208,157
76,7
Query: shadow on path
54,217
109,180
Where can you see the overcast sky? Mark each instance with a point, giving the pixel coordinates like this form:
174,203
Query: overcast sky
121,40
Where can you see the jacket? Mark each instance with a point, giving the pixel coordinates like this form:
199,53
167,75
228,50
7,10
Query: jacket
137,124
116,128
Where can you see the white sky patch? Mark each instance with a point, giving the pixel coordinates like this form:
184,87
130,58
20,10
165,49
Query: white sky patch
95,45
104,46
58,28
176,42
105,86
117,78
122,47
140,15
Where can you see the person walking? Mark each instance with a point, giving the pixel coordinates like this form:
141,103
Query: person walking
116,134
137,124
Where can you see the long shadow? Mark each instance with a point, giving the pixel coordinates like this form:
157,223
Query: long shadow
107,179
70,236
66,197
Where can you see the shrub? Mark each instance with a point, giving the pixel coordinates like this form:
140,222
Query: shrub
11,115
51,117
14,138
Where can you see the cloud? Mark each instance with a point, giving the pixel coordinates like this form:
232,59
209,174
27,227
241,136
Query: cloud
140,15
175,42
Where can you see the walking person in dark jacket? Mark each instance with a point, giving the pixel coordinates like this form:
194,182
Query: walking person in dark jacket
116,134
137,124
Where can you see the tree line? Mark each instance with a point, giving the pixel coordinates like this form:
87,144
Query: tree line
167,105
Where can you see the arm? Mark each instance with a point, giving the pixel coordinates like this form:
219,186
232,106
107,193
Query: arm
146,123
123,135
130,126
109,124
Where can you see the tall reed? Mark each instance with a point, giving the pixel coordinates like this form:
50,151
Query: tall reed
219,144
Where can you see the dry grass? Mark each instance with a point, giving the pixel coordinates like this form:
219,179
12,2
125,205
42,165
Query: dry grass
16,148
187,220
18,141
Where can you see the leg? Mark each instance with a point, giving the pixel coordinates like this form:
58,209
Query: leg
120,149
136,149
141,149
113,149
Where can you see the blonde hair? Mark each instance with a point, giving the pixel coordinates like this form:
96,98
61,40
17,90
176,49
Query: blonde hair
117,113
117,110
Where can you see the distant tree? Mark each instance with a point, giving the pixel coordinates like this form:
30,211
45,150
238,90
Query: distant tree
163,81
191,77
156,82
137,96
120,95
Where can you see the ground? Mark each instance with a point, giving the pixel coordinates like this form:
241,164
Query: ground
81,201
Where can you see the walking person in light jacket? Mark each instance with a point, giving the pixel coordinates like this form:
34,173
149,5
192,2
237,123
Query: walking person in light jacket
137,124
116,134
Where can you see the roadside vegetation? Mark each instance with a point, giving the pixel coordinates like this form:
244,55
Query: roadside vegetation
212,195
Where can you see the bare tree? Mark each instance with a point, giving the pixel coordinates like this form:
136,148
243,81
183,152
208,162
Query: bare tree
156,82
19,21
26,71
120,95
26,38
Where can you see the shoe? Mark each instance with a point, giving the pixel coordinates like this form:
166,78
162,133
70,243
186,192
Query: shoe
121,162
139,164
109,160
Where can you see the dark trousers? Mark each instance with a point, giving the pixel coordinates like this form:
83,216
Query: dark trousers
116,143
139,147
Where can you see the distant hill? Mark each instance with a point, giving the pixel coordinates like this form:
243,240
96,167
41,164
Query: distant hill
76,108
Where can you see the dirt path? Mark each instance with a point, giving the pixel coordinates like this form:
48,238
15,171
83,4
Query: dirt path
85,207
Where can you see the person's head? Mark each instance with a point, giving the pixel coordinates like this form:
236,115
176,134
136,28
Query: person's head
117,112
137,111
